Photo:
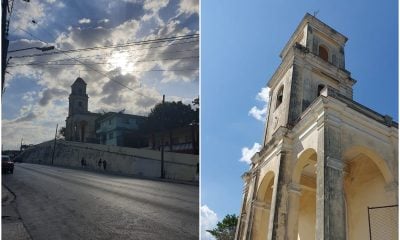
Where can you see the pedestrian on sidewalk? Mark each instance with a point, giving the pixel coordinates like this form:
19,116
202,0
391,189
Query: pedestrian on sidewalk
82,162
99,163
104,164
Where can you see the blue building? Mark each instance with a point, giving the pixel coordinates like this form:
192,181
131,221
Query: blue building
115,128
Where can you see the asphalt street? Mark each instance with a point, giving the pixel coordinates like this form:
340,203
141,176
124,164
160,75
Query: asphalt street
60,203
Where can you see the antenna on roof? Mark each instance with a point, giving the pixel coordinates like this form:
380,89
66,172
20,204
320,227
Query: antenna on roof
315,13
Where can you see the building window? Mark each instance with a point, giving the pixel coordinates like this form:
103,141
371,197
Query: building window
109,122
111,135
320,87
323,53
334,60
279,97
80,104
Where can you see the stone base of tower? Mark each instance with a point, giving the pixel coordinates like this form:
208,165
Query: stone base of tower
81,128
317,178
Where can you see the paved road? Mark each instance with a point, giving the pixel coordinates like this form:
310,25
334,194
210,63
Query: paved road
59,203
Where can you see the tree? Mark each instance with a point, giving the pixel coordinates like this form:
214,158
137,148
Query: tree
61,133
170,115
225,229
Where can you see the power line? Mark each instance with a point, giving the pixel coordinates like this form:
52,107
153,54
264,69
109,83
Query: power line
130,44
128,56
137,49
149,70
95,63
103,74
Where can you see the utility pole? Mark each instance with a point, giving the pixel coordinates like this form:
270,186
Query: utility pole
5,25
20,146
162,138
4,40
54,148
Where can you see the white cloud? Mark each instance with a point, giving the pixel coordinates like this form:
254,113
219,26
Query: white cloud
248,153
105,20
263,95
60,5
261,113
29,96
23,15
84,21
209,220
153,7
189,6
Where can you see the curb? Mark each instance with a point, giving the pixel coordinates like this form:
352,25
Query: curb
12,225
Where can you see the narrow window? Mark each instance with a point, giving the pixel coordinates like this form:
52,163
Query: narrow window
279,97
80,104
323,53
334,60
320,87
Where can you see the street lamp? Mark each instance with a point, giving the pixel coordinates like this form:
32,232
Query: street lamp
43,49
4,66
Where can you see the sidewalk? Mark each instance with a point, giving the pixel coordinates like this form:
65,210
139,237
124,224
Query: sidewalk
112,173
12,225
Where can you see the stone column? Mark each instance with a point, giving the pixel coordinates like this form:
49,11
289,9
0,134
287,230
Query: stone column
243,211
278,214
331,214
249,224
294,191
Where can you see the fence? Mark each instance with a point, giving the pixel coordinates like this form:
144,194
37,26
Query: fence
383,222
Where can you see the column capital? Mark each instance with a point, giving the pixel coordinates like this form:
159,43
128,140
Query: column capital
255,173
261,205
334,163
294,188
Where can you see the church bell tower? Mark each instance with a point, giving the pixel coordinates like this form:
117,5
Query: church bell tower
312,59
78,99
326,159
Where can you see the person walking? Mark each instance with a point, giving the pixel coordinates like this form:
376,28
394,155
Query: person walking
99,163
104,164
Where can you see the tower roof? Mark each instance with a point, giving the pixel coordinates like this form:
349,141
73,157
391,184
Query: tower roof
79,81
316,24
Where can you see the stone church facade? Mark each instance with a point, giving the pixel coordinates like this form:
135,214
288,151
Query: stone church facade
80,123
326,159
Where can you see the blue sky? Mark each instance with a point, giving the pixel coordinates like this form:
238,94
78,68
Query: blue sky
36,97
240,46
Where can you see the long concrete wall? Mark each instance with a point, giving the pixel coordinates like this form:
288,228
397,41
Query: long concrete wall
140,162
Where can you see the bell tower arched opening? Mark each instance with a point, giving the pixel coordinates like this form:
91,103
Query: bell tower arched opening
323,52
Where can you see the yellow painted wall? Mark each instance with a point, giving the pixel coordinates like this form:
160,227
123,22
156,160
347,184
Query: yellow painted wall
364,187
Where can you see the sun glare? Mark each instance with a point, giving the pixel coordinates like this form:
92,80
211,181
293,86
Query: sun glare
121,61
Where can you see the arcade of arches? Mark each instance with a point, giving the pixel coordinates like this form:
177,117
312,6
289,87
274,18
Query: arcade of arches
365,180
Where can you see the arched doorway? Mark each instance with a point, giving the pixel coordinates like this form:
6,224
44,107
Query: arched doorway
303,200
262,207
82,129
365,183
